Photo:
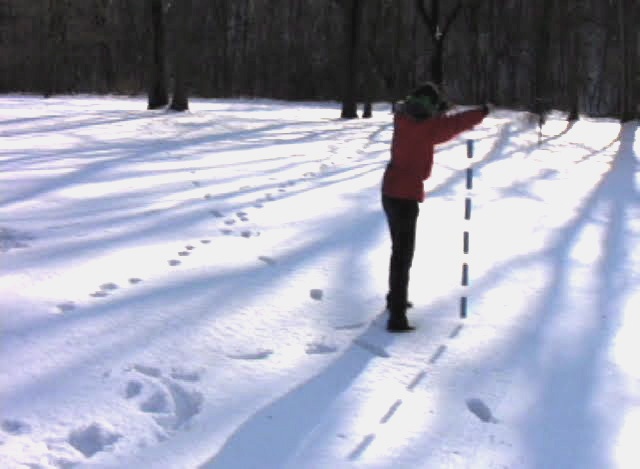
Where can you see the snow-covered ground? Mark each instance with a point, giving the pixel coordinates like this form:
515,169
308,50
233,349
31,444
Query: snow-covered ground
204,290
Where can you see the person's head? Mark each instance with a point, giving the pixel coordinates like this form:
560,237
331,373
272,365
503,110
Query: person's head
425,101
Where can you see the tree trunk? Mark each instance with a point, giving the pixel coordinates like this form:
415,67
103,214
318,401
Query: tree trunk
158,97
351,71
180,99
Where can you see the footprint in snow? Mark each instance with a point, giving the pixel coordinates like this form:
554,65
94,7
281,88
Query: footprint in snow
15,427
316,294
174,262
216,213
205,241
135,280
133,389
156,403
184,253
188,247
171,404
92,439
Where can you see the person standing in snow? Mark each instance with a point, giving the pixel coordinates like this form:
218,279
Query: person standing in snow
420,122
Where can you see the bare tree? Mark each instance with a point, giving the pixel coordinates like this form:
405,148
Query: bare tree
438,29
56,39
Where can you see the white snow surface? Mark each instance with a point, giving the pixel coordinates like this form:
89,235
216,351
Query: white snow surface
206,290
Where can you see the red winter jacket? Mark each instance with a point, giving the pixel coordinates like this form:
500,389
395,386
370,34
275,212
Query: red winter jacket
412,150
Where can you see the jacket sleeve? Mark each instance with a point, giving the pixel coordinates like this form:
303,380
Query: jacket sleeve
447,127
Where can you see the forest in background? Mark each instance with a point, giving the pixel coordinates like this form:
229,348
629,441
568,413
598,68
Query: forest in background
580,56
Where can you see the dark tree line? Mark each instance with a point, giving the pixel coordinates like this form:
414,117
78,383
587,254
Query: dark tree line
581,56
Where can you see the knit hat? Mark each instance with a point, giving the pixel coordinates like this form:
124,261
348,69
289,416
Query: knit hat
425,101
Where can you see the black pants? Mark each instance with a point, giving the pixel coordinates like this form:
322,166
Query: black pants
402,216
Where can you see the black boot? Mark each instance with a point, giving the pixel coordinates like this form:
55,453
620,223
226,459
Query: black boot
399,323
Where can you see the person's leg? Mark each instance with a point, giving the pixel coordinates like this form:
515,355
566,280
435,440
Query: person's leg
401,216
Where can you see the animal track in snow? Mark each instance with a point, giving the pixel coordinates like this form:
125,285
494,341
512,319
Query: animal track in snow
216,213
105,288
66,306
267,260
249,234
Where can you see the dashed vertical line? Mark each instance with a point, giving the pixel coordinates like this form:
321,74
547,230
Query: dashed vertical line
466,234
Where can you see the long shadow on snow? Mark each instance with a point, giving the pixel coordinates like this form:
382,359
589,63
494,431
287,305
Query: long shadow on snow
566,390
123,340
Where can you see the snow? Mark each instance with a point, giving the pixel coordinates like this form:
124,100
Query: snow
205,290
